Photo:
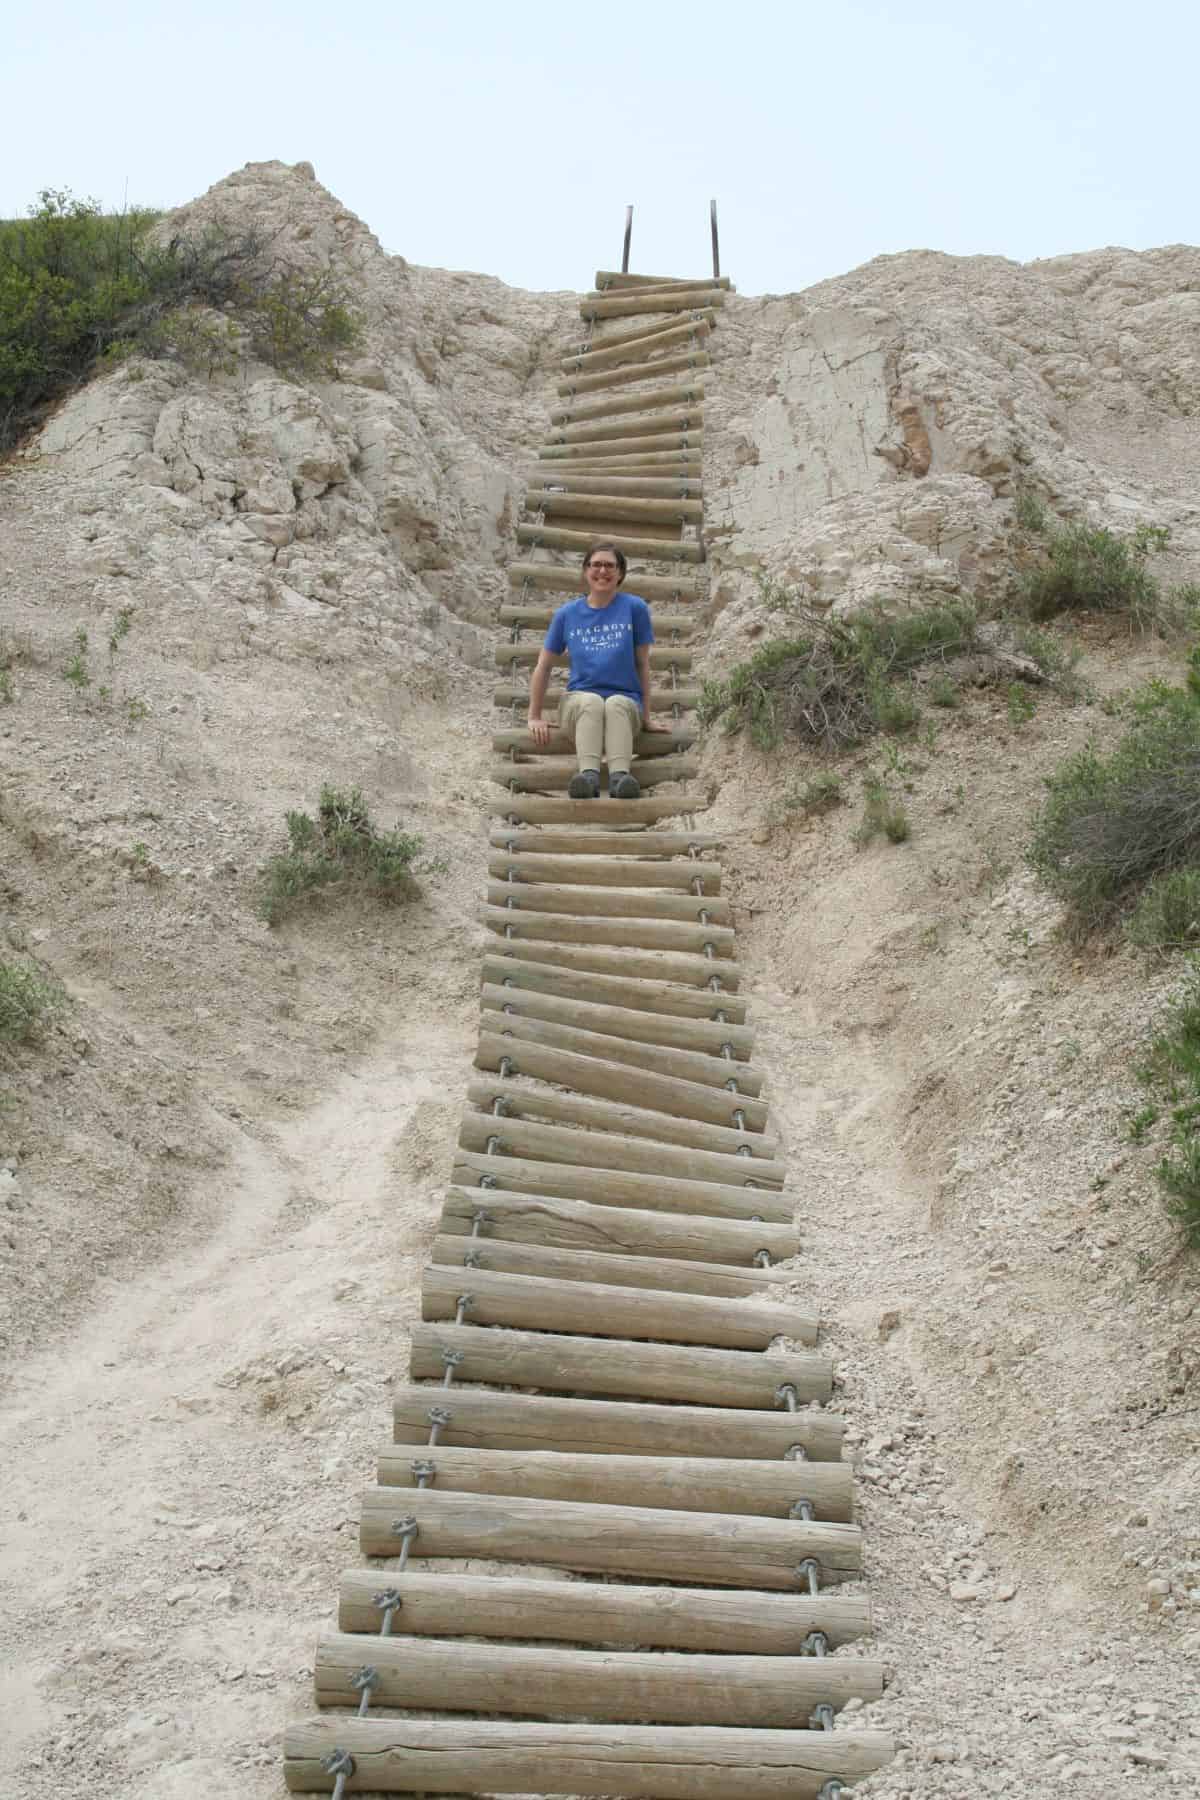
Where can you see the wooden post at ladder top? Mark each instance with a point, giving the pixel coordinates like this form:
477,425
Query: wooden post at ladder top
628,235
712,216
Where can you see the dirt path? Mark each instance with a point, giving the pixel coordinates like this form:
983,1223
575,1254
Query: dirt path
182,1477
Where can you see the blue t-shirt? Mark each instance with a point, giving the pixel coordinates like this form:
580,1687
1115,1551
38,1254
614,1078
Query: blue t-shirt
600,640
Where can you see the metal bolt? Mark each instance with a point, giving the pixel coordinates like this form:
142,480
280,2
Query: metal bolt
423,1470
822,1717
472,1259
795,1453
762,1259
786,1396
810,1570
341,1764
389,1603
815,1644
439,1417
801,1509
364,1679
405,1528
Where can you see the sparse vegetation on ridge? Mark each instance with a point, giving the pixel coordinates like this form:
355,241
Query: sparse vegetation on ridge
79,286
1110,825
839,680
27,998
1079,568
1172,1073
340,848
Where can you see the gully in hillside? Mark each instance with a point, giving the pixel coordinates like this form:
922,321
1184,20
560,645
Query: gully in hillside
606,636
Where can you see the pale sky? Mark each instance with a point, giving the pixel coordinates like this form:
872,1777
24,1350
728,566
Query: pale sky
508,138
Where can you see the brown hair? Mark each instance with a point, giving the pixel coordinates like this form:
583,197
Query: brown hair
616,551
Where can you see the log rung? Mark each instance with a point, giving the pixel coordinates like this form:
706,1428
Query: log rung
547,1302
689,360
669,1274
552,776
734,1549
680,974
481,1418
547,1018
522,1139
634,902
593,1365
661,657
634,1762
648,549
563,1223
595,1685
605,1614
603,869
543,809
687,419
599,843
657,1012
662,700
590,1063
646,487
687,393
562,743
511,919
519,1100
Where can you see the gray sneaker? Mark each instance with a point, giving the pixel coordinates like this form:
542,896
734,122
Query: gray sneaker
585,785
623,787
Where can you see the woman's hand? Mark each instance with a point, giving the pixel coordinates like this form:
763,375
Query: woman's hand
649,725
539,731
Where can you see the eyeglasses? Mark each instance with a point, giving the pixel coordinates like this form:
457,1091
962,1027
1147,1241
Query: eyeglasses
602,565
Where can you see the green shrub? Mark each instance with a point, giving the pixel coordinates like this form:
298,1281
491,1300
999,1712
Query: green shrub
1054,657
339,848
841,680
1167,917
944,692
1021,704
1109,824
882,816
1082,567
820,794
27,997
78,286
1172,1070
1029,512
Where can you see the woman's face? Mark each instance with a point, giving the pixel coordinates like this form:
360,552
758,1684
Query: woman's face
603,574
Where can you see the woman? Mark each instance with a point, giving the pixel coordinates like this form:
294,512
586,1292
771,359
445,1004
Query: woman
606,634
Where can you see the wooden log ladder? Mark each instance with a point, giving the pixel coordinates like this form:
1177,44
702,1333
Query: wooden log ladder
618,1378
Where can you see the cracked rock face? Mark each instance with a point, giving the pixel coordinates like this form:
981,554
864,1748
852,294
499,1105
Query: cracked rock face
868,437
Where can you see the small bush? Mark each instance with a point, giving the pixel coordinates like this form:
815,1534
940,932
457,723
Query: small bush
1029,512
339,848
1172,1070
1109,824
882,816
944,692
841,680
27,998
820,794
1021,704
1167,917
1054,657
1094,569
